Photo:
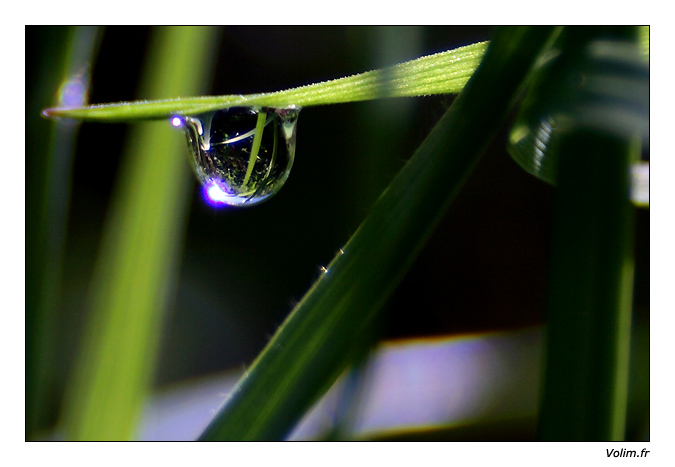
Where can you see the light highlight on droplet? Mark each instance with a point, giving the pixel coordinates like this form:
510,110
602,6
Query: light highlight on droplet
215,193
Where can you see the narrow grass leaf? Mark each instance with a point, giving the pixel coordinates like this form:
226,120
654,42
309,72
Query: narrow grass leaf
441,73
590,291
49,167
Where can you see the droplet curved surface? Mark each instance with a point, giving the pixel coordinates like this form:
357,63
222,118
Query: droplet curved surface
241,155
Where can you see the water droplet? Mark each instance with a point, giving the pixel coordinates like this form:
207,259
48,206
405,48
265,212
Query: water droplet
241,155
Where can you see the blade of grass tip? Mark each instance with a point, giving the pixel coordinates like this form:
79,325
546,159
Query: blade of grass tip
590,283
441,73
139,254
318,340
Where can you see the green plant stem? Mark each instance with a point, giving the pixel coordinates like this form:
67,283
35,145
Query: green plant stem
589,303
324,332
139,255
49,166
441,73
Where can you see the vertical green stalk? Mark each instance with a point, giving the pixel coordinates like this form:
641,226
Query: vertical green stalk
591,276
140,252
589,304
48,198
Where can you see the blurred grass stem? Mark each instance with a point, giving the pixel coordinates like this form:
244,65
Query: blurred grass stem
139,254
591,283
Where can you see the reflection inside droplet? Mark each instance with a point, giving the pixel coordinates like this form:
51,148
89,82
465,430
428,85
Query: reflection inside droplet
242,155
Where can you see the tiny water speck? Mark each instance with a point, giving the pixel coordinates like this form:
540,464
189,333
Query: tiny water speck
241,155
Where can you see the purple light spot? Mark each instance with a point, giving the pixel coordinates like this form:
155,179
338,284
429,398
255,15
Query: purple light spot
215,195
73,93
175,121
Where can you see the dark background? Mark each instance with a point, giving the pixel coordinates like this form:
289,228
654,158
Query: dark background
243,269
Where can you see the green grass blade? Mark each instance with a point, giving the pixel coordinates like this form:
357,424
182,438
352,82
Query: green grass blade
49,167
597,140
441,73
320,337
590,291
139,254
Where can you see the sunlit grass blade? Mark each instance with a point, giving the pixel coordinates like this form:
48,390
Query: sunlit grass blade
139,254
441,73
319,339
